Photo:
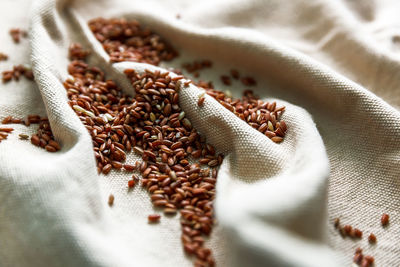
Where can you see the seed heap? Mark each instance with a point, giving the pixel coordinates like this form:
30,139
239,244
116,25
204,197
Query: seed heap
16,73
134,41
129,41
153,125
263,116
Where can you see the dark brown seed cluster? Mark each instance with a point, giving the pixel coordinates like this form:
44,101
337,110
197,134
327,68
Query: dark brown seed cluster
178,167
4,132
153,125
3,57
44,137
196,66
128,41
17,33
76,52
362,260
16,73
263,116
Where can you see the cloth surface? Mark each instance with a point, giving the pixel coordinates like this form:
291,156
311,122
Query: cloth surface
334,64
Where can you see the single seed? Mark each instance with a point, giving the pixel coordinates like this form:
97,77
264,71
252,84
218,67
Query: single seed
131,183
200,102
372,238
50,148
336,222
111,200
154,218
385,219
347,229
7,130
23,136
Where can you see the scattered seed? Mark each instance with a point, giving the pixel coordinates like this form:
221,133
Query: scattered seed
372,238
23,136
111,200
154,218
385,219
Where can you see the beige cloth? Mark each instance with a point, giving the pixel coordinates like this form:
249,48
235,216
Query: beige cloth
334,64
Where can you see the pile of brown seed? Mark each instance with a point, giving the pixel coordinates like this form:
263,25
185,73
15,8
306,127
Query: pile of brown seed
178,167
128,41
17,33
263,116
16,73
153,125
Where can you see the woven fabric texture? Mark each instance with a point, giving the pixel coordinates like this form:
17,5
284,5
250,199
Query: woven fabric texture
333,64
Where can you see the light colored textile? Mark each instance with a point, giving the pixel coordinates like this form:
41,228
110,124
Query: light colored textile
334,64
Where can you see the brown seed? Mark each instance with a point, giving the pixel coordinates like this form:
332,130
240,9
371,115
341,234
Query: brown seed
200,102
154,218
129,167
50,148
170,211
3,57
347,229
357,233
385,219
107,168
131,183
336,222
369,259
54,144
7,130
277,139
111,200
35,140
372,238
23,136
357,258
